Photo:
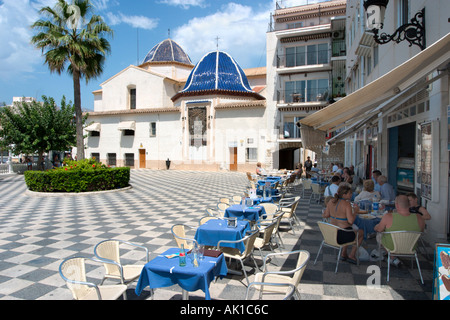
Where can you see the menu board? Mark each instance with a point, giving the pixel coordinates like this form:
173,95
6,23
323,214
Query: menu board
425,160
441,278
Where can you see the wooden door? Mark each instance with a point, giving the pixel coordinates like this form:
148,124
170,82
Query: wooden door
233,159
142,158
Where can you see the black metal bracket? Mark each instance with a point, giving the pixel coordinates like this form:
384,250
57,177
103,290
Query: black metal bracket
413,32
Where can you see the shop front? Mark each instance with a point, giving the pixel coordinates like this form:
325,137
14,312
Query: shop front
399,125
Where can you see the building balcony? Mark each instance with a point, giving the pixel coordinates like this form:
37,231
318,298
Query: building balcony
314,96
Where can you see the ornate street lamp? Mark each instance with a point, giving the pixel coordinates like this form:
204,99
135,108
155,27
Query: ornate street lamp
413,32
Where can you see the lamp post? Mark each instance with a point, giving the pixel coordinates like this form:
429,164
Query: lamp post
413,32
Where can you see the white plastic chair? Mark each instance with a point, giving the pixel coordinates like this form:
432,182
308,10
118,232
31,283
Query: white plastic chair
266,239
233,253
405,243
316,192
108,252
329,233
179,234
73,272
292,277
289,206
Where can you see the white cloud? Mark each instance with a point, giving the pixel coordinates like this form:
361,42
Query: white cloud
241,31
17,55
185,3
141,22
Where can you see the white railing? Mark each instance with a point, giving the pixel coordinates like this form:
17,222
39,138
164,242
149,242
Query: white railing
4,169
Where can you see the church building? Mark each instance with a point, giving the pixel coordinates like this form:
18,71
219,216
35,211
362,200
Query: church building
208,116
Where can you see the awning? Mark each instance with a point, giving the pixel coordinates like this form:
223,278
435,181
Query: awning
127,125
350,109
385,109
93,127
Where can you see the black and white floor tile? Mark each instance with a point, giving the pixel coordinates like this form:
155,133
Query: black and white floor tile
37,232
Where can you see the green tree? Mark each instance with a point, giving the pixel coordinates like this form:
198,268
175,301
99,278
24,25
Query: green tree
38,127
71,38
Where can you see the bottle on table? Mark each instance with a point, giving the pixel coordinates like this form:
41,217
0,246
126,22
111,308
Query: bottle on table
182,256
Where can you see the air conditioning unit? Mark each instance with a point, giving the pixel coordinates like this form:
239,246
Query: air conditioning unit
338,35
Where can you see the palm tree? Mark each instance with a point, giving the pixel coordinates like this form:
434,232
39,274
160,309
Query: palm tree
71,38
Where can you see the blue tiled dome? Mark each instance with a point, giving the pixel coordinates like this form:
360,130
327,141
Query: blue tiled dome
217,72
167,51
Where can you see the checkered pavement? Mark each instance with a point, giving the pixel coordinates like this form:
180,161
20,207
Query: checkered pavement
37,232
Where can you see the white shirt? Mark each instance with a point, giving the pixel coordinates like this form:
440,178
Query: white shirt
331,190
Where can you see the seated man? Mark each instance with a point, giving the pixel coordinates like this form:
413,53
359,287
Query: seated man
386,190
400,220
331,189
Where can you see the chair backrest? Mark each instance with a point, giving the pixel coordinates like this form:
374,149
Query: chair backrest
222,206
329,233
109,249
249,242
315,188
236,199
74,269
270,208
404,241
302,261
249,176
212,212
205,219
268,231
179,234
224,200
307,184
278,218
293,206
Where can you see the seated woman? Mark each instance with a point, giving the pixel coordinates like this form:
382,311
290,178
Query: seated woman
346,177
340,211
368,192
416,208
298,172
260,171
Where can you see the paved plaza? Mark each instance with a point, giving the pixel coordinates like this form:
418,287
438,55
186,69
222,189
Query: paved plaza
37,232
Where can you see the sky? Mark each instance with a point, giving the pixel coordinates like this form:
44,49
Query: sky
138,25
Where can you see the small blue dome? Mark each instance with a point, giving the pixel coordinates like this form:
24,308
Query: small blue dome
167,51
217,72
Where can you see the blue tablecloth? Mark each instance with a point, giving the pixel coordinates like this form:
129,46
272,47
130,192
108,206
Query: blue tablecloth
212,231
367,225
163,272
249,213
262,183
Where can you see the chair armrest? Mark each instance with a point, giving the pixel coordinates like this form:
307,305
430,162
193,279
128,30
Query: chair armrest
282,254
250,233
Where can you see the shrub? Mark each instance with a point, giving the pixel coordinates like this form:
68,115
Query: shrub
78,176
